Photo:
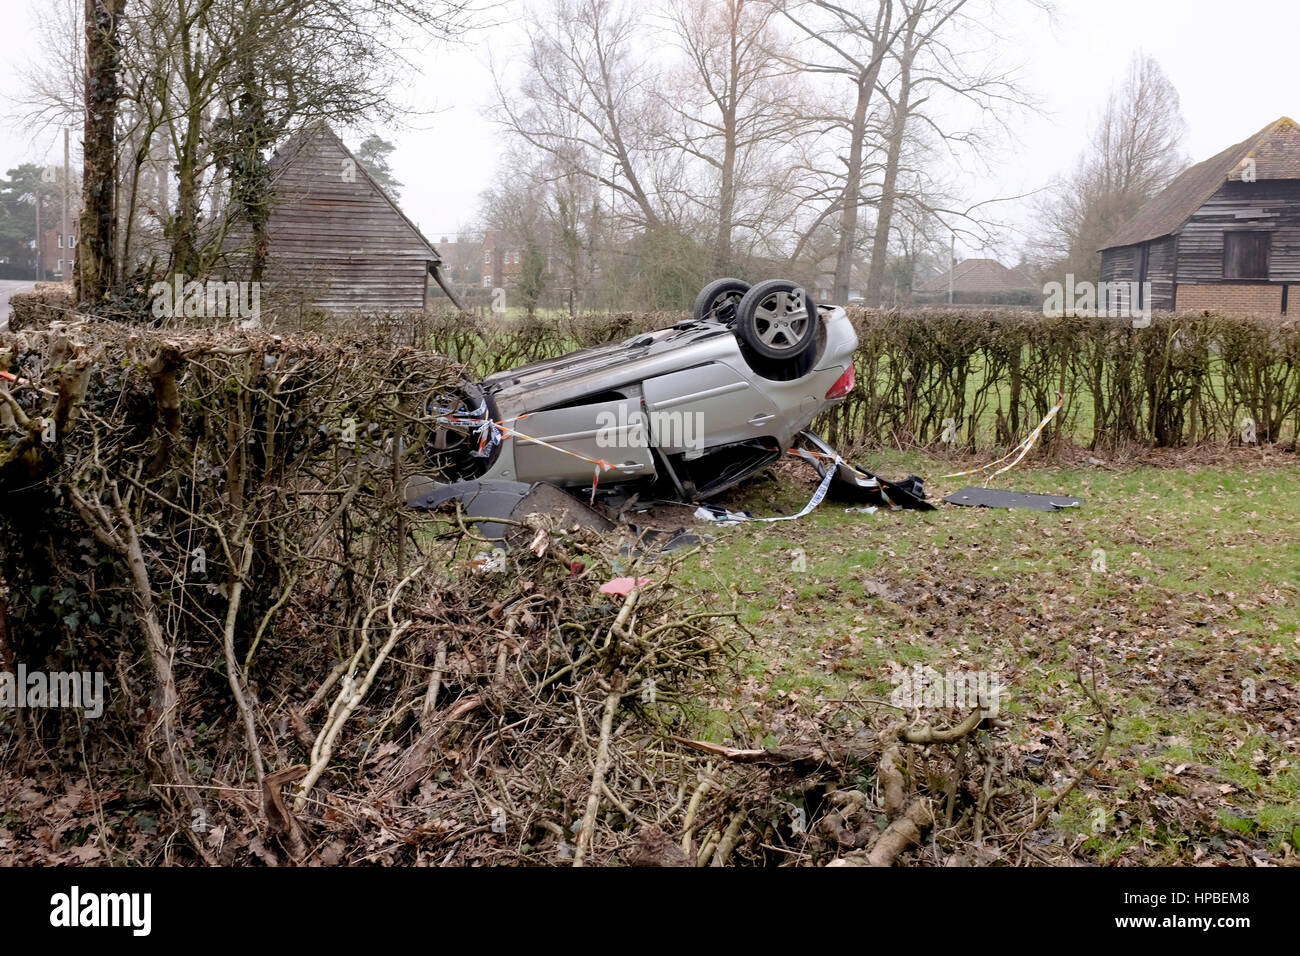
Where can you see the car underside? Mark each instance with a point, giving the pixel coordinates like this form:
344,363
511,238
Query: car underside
693,409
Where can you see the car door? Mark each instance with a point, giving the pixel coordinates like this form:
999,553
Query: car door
612,431
705,406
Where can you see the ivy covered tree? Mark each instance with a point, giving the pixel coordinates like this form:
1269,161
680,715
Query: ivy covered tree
241,143
97,245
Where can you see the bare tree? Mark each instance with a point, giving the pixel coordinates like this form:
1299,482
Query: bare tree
1133,153
931,75
575,226
54,86
852,45
736,104
518,211
587,100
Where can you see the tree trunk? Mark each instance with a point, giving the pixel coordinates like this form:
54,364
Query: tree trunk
885,212
96,259
185,224
844,255
726,201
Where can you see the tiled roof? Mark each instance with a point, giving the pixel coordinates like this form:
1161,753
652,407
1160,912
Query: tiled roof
1276,151
979,275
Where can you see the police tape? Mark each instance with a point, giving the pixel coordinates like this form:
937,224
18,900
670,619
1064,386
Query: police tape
1022,448
869,481
11,377
818,496
490,433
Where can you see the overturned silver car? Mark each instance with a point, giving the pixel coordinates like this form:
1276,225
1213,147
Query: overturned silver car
695,408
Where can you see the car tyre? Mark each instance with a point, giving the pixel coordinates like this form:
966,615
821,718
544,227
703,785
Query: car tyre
777,321
719,299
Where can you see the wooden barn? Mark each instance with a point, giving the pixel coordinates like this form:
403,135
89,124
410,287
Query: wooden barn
336,239
1224,235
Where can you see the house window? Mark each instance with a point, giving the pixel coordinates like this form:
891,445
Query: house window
516,257
60,240
487,282
60,268
1245,255
487,257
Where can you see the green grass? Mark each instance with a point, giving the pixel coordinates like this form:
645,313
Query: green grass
1193,628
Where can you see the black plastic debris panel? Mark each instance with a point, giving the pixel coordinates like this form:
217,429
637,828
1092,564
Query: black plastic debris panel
995,498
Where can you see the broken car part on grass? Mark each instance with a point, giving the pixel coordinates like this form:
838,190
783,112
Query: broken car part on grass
997,498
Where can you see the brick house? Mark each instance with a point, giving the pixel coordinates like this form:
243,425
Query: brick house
58,252
502,258
462,261
1224,235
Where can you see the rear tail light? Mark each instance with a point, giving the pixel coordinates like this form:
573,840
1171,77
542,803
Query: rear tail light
843,385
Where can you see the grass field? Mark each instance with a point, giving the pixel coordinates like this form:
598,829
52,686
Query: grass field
1193,628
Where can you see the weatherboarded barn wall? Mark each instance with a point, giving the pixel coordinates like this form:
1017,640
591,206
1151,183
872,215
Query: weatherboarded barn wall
336,239
1224,235
1270,206
1124,264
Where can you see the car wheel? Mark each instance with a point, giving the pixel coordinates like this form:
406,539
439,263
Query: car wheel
448,450
777,320
718,300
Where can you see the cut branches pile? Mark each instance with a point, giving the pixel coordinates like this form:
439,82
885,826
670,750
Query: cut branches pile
305,672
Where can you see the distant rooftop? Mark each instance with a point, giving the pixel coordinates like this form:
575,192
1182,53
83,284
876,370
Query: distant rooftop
979,275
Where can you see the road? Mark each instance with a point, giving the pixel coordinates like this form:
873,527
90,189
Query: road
7,288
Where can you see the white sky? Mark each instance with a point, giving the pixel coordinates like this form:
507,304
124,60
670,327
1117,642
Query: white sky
1235,67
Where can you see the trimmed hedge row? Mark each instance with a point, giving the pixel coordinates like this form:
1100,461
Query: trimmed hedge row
1183,380
48,302
1186,379
982,378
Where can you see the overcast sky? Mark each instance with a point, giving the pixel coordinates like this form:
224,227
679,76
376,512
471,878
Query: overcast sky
1234,65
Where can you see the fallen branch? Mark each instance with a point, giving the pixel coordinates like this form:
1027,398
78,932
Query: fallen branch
898,836
598,775
350,696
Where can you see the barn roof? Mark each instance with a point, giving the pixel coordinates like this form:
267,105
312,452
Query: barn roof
1276,151
979,275
297,146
